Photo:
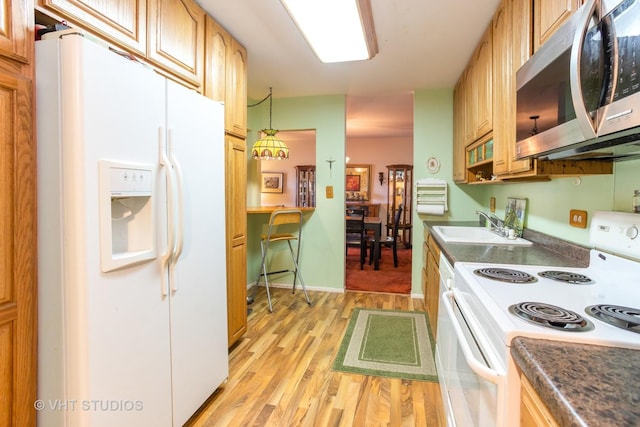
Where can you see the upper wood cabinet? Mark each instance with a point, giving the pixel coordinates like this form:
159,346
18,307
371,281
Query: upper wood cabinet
176,38
217,51
478,87
236,95
15,36
226,76
459,152
503,87
483,82
549,15
123,21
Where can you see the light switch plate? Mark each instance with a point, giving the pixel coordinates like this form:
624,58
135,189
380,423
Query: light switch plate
329,191
578,218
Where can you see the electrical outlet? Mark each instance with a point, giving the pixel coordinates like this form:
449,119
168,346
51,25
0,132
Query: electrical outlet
578,218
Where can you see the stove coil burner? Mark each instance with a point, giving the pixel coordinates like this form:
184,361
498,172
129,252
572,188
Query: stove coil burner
622,317
567,277
551,316
505,275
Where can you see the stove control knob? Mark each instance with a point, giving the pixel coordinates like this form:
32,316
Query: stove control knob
632,232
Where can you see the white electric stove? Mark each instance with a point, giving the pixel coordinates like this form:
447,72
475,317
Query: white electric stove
493,303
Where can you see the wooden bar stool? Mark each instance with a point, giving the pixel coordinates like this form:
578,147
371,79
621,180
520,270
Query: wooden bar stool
291,219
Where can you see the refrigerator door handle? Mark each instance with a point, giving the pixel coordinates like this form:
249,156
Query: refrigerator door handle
167,258
179,221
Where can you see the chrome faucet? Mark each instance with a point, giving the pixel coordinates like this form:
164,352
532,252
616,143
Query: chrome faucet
497,223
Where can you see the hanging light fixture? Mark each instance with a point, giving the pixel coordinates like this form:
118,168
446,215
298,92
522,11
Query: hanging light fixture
269,147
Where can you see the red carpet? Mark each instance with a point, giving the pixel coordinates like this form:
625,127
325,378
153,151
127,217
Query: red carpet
387,279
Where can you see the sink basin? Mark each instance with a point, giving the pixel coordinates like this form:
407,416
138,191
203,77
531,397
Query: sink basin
475,235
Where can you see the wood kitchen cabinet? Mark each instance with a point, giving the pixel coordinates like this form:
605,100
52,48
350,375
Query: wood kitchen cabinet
18,246
236,227
459,152
217,51
236,95
176,38
533,411
226,76
549,15
168,33
122,21
478,114
493,154
431,279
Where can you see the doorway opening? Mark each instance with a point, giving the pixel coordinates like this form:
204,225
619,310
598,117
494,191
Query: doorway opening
380,135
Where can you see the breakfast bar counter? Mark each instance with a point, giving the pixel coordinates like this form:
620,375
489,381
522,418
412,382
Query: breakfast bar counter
581,384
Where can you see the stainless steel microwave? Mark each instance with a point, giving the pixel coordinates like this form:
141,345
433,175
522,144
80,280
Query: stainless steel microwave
579,94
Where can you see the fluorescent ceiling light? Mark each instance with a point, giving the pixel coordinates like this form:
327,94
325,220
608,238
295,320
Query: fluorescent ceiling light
336,30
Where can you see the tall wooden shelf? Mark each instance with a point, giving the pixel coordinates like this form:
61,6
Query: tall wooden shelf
400,190
306,186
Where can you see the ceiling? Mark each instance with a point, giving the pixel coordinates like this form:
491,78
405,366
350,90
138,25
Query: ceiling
423,44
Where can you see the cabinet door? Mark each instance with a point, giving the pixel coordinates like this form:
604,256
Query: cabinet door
432,291
15,24
236,224
176,38
502,85
236,99
483,82
521,52
549,15
469,105
217,50
17,254
122,21
459,152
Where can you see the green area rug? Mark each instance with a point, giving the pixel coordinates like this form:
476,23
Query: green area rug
387,343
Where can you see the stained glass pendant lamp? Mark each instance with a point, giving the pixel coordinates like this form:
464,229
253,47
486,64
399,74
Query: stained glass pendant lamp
269,147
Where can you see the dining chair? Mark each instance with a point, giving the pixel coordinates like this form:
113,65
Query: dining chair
280,229
393,239
355,232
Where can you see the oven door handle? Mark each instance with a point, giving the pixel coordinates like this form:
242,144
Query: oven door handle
476,366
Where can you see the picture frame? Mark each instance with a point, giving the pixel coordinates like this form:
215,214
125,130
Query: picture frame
272,182
353,183
357,183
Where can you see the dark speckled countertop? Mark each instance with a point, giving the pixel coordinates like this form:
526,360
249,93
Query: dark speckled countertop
582,385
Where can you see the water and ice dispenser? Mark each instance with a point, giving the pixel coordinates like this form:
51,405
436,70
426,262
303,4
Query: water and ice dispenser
127,214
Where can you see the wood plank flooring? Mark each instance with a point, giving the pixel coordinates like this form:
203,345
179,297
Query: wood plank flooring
280,371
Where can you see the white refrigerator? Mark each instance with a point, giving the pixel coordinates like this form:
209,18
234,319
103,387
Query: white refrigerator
131,254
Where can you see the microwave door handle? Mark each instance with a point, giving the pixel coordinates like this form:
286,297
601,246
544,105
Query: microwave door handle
476,366
583,118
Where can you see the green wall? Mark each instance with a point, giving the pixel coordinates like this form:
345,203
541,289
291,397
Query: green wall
322,251
323,240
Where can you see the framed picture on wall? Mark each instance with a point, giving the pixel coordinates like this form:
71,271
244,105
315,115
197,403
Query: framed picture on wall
272,182
353,183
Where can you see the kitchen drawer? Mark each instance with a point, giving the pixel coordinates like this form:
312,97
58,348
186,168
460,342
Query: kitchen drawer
434,248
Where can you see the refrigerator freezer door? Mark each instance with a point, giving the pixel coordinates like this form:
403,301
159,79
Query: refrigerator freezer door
104,343
195,140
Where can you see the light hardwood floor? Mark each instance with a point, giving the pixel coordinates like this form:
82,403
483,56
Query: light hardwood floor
280,371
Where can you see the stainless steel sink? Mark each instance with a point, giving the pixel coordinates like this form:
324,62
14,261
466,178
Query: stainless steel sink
475,235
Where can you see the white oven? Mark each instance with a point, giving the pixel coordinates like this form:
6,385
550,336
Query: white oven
491,304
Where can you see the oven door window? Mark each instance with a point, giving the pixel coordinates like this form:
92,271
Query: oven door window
471,400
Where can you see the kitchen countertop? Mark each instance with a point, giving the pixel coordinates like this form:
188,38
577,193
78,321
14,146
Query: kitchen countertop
582,385
546,250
